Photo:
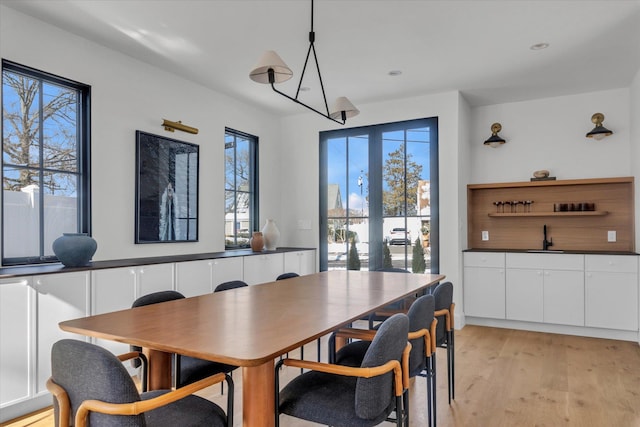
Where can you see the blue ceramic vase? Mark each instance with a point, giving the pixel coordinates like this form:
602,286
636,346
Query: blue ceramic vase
74,249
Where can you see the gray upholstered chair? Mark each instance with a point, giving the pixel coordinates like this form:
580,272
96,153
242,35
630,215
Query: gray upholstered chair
443,294
233,284
91,387
343,396
186,369
422,361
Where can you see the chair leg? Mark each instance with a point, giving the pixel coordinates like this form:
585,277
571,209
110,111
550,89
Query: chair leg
434,387
453,366
450,365
319,349
429,378
301,357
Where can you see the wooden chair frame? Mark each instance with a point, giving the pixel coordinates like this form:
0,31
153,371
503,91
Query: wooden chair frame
400,374
134,408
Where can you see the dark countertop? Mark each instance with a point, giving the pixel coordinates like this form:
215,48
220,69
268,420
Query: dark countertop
31,270
539,251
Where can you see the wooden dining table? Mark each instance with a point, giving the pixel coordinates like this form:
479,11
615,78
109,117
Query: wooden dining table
251,326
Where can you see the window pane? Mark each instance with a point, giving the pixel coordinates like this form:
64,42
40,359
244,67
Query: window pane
240,188
60,208
60,127
20,102
21,217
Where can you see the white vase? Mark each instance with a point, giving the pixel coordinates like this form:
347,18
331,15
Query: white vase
271,235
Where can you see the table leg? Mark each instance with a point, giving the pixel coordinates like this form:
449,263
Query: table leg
258,398
159,373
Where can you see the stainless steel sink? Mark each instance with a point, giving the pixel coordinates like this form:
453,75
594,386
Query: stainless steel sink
541,251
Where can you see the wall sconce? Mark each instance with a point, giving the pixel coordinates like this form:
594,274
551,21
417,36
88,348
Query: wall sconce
495,140
172,126
599,131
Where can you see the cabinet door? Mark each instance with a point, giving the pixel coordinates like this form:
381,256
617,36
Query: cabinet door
302,262
611,300
17,304
60,297
524,294
111,290
263,268
227,269
194,278
564,297
484,292
154,278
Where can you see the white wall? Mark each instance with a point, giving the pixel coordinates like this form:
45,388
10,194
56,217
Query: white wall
550,134
128,95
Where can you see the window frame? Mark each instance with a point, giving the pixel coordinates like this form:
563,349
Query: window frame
83,146
376,216
254,211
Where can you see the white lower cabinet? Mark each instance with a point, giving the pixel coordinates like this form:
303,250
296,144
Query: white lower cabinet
194,278
484,284
17,316
545,288
117,288
263,268
30,310
300,262
524,295
60,297
611,287
227,269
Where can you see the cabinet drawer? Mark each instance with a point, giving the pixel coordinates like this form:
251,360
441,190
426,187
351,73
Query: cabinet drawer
612,263
484,259
545,261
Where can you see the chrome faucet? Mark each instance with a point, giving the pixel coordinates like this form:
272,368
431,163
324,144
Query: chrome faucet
546,243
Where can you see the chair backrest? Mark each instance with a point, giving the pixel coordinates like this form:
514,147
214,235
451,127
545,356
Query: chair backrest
374,395
86,371
233,284
284,276
443,294
420,317
152,298
157,297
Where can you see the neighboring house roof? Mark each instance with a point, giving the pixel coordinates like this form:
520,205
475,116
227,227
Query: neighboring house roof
334,199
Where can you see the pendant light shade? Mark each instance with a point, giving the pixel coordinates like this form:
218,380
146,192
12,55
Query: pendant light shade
343,109
270,60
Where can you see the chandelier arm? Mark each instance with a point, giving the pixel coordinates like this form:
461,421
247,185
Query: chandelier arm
315,56
326,116
304,69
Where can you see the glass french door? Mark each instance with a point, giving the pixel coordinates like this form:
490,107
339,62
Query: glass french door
378,197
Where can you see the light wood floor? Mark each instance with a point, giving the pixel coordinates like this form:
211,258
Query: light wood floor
509,378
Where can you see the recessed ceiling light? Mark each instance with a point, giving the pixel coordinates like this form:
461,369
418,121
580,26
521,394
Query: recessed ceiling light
395,72
539,46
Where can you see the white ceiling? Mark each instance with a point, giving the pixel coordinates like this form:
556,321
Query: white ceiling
478,47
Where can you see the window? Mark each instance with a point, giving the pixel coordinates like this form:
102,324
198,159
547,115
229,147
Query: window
240,188
45,162
379,198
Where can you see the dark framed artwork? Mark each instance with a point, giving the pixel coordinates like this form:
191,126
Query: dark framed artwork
166,190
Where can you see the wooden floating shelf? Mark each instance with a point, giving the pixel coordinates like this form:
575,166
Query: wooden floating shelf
568,213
